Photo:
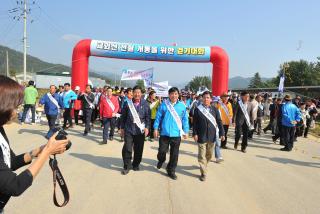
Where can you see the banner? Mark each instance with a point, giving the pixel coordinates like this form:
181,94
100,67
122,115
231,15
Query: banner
161,88
128,74
150,52
281,83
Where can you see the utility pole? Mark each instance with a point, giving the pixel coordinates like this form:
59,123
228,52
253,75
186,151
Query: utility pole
25,41
8,73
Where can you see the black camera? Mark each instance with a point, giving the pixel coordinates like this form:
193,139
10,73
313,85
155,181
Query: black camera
62,135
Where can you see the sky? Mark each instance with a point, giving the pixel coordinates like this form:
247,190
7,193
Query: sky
257,35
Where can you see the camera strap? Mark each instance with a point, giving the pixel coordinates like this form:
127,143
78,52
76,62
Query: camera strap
57,177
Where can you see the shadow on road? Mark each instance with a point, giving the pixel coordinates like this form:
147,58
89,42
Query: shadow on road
32,131
290,161
117,164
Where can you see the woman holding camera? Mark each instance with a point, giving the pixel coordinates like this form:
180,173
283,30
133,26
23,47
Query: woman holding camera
11,184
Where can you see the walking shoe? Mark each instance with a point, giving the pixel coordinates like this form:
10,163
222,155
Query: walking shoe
219,160
224,147
159,165
244,150
125,171
202,178
274,139
103,142
264,131
172,175
136,168
85,133
285,149
111,138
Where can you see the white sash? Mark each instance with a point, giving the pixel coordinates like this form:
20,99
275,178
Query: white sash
175,116
135,115
110,103
152,105
244,111
88,101
54,101
208,115
260,106
5,151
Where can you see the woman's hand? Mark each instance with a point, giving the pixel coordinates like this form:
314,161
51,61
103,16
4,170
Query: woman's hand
54,146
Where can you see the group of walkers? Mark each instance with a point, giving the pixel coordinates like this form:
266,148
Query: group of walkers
140,117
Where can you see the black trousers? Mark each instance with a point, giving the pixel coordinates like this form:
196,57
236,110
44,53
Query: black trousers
135,142
270,126
306,130
226,128
87,113
244,130
67,117
299,131
250,133
151,129
288,136
95,114
108,122
279,134
76,116
26,108
164,143
51,122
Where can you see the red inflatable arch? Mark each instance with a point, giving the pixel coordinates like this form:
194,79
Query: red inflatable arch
87,47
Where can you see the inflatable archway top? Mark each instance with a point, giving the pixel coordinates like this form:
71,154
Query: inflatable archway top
87,47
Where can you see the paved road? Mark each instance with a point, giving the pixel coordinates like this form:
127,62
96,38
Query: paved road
264,180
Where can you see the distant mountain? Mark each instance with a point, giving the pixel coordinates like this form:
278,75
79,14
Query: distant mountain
242,82
35,64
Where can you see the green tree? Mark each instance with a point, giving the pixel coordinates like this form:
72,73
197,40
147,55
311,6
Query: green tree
256,81
198,81
300,73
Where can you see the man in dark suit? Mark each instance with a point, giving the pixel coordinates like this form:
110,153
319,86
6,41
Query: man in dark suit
207,127
243,120
135,126
87,99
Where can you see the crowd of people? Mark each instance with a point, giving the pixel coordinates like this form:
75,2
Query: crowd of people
140,115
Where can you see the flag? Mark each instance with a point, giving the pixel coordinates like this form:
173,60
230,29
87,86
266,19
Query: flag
281,83
128,74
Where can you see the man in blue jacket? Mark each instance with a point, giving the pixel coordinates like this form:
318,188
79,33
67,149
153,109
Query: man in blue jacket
172,119
290,117
52,102
68,97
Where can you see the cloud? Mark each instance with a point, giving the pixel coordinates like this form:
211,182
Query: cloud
71,37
